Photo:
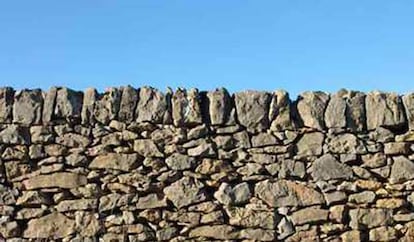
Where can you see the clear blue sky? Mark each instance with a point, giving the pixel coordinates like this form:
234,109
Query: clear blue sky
266,45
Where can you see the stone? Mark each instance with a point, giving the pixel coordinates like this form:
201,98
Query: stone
311,108
384,233
107,105
397,148
362,218
258,234
73,140
15,135
204,149
87,223
51,226
364,197
49,103
113,200
68,104
9,229
310,144
280,112
6,104
185,191
252,109
123,162
309,215
285,228
90,96
166,234
77,204
153,106
408,102
309,235
147,148
351,236
374,160
32,198
327,168
58,179
337,213
221,232
239,194
220,107
291,168
250,218
384,110
180,162
346,144
28,213
186,107
390,203
335,197
264,139
151,200
27,107
129,100
402,170
41,134
282,193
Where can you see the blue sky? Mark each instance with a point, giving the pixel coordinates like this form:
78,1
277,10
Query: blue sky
265,45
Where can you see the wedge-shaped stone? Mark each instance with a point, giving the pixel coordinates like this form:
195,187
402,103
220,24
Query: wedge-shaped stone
32,198
185,191
123,162
280,112
27,107
221,232
186,107
58,179
89,98
283,193
402,170
362,218
220,107
328,168
253,109
51,226
311,108
153,106
250,218
384,110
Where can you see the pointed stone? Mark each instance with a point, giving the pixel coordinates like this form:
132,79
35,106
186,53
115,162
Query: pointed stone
88,105
408,101
107,105
128,104
68,104
27,107
280,112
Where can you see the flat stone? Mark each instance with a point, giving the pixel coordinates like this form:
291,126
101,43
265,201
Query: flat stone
264,139
147,148
327,168
309,215
73,140
250,218
153,106
107,105
390,203
6,104
351,236
402,170
204,149
220,107
383,233
384,110
123,162
151,200
362,218
186,107
253,109
282,193
364,197
222,232
236,195
54,225
408,101
58,179
113,200
310,144
311,108
258,234
397,148
309,235
27,107
68,104
129,100
77,204
179,162
87,223
280,112
32,198
185,191
15,135
346,144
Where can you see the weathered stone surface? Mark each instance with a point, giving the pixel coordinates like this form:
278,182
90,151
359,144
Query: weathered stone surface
153,106
186,107
123,162
89,98
309,215
68,104
106,106
402,170
362,197
328,168
351,236
152,200
310,144
383,234
32,198
76,205
253,109
185,191
238,194
408,101
304,236
9,229
258,234
179,162
346,144
54,225
264,139
283,193
6,104
285,228
147,148
14,135
73,140
280,112
311,108
251,218
384,110
220,107
397,148
129,100
27,107
223,232
58,179
369,218
87,223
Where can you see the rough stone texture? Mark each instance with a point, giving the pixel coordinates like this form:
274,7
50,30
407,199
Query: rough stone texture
408,101
135,164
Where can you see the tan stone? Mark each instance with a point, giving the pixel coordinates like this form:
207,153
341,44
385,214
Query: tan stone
54,225
59,179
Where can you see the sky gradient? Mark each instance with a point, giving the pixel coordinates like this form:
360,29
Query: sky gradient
264,45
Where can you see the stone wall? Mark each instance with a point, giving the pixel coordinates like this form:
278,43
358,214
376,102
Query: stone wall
141,165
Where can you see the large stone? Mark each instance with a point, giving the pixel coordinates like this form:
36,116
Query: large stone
384,233
253,109
186,107
9,230
6,104
73,140
328,168
147,148
311,107
32,198
238,194
408,101
362,218
49,105
179,162
68,104
258,234
153,106
58,179
402,170
310,144
51,226
280,112
185,191
107,105
129,100
250,218
364,197
220,107
76,205
283,193
310,215
384,110
15,135
151,200
221,232
27,107
87,223
123,162
89,98
346,144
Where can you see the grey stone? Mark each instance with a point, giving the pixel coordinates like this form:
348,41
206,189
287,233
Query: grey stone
107,105
220,107
258,234
253,109
166,234
147,148
186,107
128,104
123,162
362,218
327,168
6,104
179,162
264,139
68,104
151,200
408,101
309,215
311,108
280,112
384,110
236,195
49,105
153,106
402,170
310,144
41,134
15,135
27,107
204,149
291,168
89,98
346,144
364,197
185,191
285,228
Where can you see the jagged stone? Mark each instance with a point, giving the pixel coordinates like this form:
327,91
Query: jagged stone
250,218
166,234
236,195
15,135
147,148
153,106
73,140
6,104
51,226
402,170
58,179
68,104
253,109
309,235
346,144
327,168
309,215
310,144
106,106
283,193
123,162
384,110
220,107
32,198
280,112
186,107
129,100
89,98
285,228
185,191
179,162
27,107
87,223
408,101
291,168
362,218
113,200
311,108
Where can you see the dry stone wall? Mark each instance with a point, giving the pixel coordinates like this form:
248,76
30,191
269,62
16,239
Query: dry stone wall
141,165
